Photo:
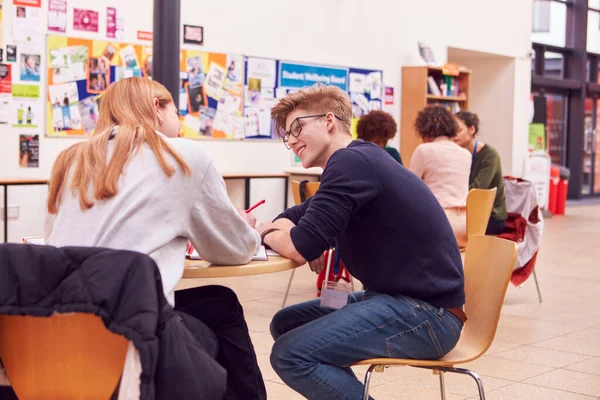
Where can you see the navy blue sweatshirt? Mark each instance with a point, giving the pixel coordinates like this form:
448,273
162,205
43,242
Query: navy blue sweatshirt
391,232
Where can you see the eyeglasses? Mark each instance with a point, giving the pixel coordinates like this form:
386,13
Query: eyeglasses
296,127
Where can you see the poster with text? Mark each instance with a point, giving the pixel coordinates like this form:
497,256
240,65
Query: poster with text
115,23
85,20
29,151
366,92
80,70
27,25
26,107
30,66
259,97
211,85
57,15
5,92
5,79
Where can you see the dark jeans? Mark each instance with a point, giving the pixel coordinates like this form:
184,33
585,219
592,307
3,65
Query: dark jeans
314,346
215,317
495,227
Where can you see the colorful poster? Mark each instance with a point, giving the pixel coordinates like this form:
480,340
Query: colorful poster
5,92
294,75
26,109
28,3
5,79
57,15
29,151
144,35
1,34
85,20
79,70
366,92
115,24
389,96
537,137
11,53
193,35
27,25
30,67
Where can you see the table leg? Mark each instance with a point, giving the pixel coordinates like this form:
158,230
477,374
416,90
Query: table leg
5,213
247,195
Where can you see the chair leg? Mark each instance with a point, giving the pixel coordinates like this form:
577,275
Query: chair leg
368,381
464,372
442,385
287,291
537,286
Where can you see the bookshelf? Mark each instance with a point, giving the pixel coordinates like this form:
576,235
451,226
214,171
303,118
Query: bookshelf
417,93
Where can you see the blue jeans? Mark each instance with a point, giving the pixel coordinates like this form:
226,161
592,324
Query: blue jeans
315,346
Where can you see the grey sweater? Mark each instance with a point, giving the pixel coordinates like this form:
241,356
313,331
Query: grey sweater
156,215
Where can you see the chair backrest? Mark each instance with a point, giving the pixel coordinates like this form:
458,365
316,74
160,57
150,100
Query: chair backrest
488,266
65,356
310,188
479,209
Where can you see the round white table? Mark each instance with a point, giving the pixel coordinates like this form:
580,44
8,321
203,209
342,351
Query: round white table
195,269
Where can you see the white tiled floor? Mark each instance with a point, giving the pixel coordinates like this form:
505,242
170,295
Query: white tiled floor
542,351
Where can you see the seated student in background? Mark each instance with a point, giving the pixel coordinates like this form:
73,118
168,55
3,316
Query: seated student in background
443,165
378,127
486,168
390,232
135,186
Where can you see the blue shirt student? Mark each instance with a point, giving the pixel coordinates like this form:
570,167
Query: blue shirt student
393,234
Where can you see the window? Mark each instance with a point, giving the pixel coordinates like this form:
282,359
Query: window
541,16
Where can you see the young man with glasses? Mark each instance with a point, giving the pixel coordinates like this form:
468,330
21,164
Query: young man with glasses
392,235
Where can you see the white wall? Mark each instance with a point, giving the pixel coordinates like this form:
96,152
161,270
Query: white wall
497,81
379,34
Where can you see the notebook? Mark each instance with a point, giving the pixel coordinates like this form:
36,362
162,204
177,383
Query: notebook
34,240
259,255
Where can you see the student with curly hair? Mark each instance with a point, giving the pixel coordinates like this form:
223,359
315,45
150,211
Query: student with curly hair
443,165
379,127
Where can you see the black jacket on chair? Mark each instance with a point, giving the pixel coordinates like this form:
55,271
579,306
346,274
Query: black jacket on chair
124,289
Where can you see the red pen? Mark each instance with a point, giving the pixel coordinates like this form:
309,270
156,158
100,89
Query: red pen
256,205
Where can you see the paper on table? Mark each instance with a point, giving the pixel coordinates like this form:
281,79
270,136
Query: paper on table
34,240
259,255
273,253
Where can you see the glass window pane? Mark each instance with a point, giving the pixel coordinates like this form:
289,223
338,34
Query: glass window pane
553,65
556,124
594,4
549,22
593,32
541,16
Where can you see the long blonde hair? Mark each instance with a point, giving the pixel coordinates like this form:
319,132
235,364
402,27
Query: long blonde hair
128,104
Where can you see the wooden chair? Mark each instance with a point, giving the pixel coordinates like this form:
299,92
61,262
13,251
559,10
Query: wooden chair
310,188
65,356
488,266
479,209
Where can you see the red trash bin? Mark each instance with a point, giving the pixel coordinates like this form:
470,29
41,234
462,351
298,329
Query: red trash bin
561,196
553,192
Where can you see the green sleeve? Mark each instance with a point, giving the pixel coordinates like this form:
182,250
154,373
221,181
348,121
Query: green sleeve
394,153
483,173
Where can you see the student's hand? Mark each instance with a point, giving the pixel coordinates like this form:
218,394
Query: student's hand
317,265
264,226
248,217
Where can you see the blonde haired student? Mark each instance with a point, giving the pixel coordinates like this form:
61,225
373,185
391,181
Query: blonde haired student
136,186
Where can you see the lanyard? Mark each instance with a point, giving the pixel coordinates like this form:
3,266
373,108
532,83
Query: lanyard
474,151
